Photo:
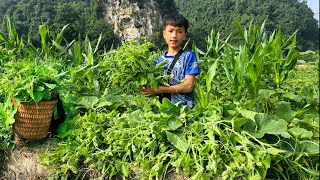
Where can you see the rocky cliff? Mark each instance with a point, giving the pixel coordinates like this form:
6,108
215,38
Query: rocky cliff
133,19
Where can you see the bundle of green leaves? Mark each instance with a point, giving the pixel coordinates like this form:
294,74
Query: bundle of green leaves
7,112
133,66
31,79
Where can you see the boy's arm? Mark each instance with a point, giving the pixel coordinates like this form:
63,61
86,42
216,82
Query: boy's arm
185,87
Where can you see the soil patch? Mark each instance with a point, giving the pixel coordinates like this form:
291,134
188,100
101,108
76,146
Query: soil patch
22,163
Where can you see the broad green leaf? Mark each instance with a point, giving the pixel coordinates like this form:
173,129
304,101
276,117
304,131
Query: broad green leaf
252,71
177,142
266,93
89,101
262,30
88,52
46,95
271,125
247,113
9,120
266,162
292,96
174,123
284,111
9,111
237,122
275,151
40,88
103,104
225,67
77,54
134,118
309,147
38,96
211,73
251,127
50,86
142,81
125,169
168,107
57,46
64,129
2,37
301,133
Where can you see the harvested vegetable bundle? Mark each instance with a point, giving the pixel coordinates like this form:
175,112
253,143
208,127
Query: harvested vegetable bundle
134,65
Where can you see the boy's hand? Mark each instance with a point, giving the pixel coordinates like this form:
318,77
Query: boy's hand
148,91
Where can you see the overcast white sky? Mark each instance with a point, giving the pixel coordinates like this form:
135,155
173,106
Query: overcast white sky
314,5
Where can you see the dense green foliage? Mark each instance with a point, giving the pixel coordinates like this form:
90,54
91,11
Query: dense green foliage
133,66
84,18
220,15
249,122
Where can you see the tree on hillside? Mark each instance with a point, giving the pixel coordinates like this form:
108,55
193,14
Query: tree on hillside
27,15
84,17
220,15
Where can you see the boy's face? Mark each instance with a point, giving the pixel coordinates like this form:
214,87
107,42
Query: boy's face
174,36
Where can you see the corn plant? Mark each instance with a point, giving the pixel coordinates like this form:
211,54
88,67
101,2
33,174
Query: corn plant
252,36
76,53
13,40
282,58
215,49
209,62
89,52
53,47
205,96
13,45
244,71
244,66
259,61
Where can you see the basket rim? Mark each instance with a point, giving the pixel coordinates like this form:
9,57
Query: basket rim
17,102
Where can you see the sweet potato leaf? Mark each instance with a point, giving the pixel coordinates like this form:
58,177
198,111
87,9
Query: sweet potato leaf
284,111
177,142
300,133
272,125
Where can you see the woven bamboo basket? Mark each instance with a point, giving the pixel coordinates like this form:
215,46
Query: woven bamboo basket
32,121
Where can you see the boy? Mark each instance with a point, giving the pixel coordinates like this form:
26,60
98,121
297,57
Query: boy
185,69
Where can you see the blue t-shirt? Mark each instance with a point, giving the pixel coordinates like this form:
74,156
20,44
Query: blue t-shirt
185,65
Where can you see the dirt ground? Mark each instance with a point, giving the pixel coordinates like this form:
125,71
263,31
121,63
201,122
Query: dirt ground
21,164
1,163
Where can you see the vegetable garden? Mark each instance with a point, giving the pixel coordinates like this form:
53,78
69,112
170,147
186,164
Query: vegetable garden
257,115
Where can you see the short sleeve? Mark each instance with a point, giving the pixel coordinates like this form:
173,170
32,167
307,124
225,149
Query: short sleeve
159,60
192,67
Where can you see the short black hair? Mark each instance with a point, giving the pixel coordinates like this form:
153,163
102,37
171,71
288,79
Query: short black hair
176,20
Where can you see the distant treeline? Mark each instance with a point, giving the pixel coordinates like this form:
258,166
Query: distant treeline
86,17
219,15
